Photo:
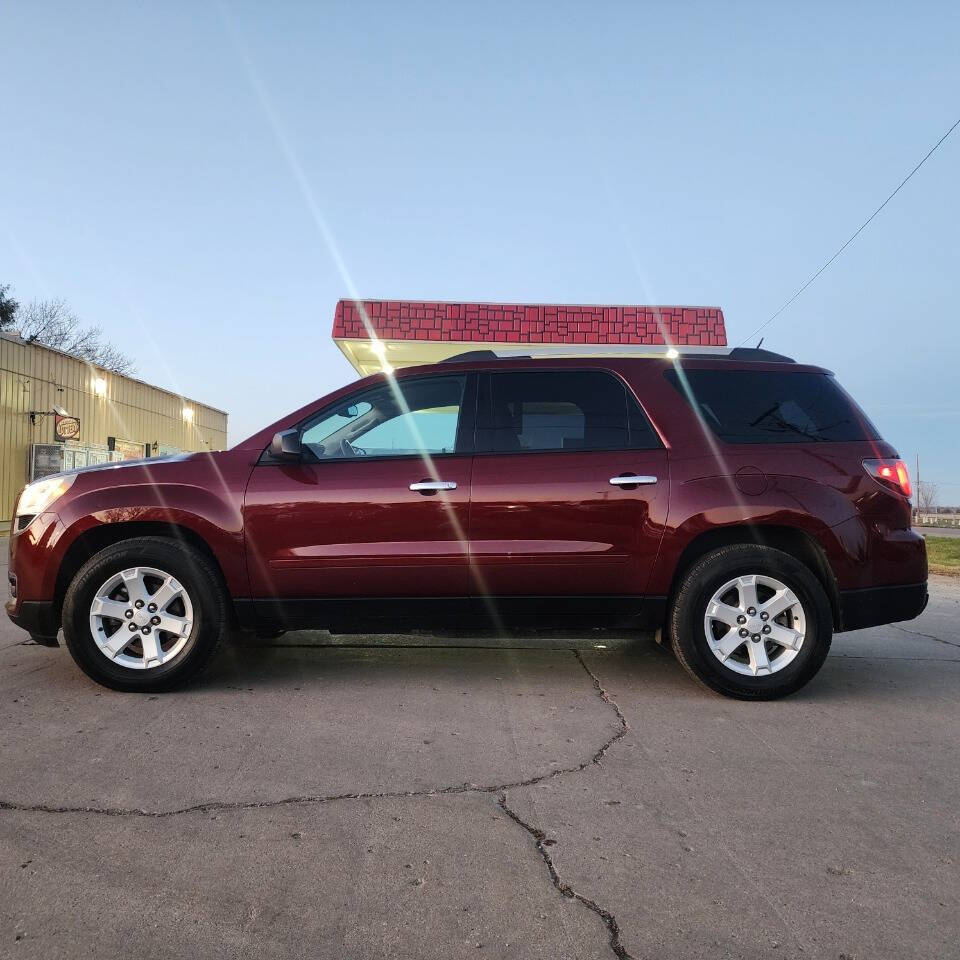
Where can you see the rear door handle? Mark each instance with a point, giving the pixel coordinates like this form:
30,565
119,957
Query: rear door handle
431,486
632,480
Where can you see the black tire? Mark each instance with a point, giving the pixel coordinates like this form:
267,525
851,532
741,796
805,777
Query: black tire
685,622
191,568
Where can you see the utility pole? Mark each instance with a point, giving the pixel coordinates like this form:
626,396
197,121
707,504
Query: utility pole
918,486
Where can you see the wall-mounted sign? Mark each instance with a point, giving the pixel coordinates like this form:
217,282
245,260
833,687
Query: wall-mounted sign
66,428
128,449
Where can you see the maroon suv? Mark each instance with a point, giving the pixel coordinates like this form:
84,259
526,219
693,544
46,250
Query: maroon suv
742,504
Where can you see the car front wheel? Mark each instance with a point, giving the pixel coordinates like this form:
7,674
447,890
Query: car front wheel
144,614
751,622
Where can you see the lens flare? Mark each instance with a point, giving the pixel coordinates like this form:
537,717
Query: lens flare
292,159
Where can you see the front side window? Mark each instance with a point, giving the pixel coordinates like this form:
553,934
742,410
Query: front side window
759,406
395,419
560,411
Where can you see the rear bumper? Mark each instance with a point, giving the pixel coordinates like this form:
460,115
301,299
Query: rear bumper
877,605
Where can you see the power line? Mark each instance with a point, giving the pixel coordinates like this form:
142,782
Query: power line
860,230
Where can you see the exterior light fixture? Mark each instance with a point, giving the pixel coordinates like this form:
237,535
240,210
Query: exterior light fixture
99,386
188,414
672,353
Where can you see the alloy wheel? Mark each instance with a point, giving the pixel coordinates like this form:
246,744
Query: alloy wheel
141,618
755,625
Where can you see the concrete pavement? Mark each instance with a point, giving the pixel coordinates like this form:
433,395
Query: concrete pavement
420,797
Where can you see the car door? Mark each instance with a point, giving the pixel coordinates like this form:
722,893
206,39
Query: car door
378,504
570,487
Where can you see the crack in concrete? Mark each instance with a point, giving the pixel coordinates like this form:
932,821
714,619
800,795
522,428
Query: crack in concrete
929,636
613,928
227,805
19,643
851,656
501,789
540,838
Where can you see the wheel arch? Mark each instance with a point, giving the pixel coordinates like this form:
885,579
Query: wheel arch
798,543
93,540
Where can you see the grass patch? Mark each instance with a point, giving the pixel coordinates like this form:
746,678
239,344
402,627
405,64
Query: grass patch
943,554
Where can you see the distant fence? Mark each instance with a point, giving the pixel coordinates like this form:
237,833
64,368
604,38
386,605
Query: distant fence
936,519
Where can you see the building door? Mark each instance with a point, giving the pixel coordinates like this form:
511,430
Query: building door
570,486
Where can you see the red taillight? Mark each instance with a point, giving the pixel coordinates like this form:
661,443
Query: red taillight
892,474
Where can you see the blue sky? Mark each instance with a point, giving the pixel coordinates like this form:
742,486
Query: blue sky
205,180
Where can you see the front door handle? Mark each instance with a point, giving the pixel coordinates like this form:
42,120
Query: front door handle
632,480
432,486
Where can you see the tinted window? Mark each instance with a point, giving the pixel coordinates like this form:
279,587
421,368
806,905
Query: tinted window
642,436
752,406
405,418
576,410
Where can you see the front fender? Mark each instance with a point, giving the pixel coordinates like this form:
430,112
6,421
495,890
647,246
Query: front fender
210,517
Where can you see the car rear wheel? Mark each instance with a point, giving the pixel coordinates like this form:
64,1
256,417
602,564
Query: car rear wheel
144,614
751,622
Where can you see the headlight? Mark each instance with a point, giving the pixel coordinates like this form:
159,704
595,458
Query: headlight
39,495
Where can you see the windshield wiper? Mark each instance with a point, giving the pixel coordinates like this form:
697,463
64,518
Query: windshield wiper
785,425
778,421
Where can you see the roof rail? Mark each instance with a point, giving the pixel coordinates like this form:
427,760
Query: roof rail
757,354
533,351
482,355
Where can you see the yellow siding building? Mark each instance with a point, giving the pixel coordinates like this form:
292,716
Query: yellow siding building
119,417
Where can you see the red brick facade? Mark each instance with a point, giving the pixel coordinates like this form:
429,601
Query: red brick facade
530,323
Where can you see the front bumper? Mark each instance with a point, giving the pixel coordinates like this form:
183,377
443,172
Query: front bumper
877,605
38,617
33,566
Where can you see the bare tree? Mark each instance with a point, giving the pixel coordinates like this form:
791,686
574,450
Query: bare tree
926,496
53,324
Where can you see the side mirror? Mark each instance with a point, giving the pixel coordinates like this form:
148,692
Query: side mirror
285,445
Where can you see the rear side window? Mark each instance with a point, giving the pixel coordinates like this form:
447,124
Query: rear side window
754,406
560,411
